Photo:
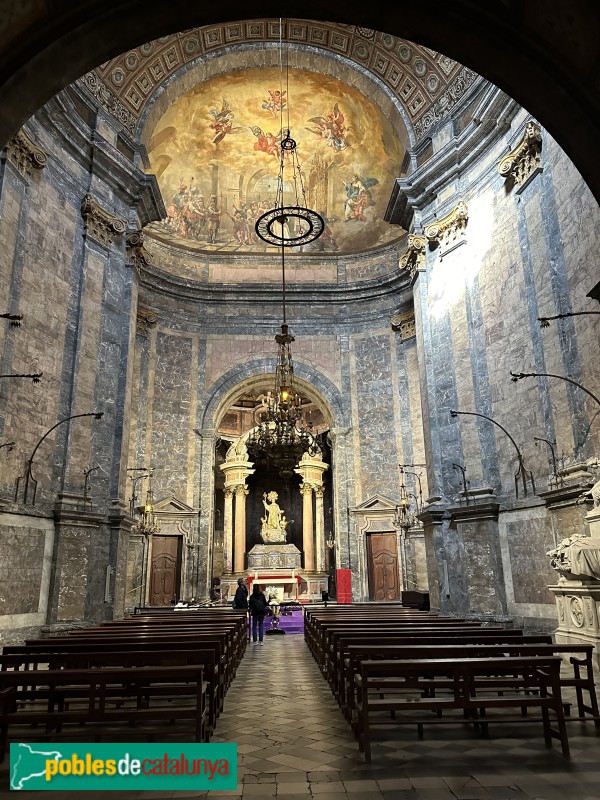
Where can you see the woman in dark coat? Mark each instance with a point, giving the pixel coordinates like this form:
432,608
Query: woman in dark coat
258,609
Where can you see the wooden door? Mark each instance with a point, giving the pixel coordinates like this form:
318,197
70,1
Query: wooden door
165,570
384,577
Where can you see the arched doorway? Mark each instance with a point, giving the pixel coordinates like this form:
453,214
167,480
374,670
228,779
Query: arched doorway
246,484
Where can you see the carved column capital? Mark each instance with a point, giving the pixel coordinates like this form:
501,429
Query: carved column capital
306,488
228,493
405,324
241,489
524,160
449,230
136,253
319,491
413,259
145,320
100,225
24,154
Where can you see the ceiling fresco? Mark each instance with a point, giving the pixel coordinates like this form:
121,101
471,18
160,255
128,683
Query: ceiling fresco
216,155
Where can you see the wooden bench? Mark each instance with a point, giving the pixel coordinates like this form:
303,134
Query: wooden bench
325,649
54,698
319,645
473,687
581,678
164,641
373,646
101,659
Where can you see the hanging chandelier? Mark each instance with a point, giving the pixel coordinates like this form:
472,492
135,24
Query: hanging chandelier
282,434
410,504
147,523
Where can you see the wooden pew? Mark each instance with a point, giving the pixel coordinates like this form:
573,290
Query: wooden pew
471,687
101,659
374,642
319,644
146,643
54,698
580,657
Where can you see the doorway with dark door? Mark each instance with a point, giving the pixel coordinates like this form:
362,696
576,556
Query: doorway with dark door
384,574
165,570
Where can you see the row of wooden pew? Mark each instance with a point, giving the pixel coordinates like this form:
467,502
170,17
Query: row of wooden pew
387,665
146,669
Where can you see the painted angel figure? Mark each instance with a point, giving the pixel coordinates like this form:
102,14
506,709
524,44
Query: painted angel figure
276,102
223,123
331,128
266,142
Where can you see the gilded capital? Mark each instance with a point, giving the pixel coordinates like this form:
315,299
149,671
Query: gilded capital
413,259
100,225
450,229
405,324
524,160
24,154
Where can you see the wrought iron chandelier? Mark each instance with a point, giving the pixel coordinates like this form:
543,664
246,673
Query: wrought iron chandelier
147,523
281,434
410,504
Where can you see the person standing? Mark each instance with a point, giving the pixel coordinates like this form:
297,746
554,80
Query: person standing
258,609
240,599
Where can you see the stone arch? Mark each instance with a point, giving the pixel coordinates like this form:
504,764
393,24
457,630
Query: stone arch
261,371
493,41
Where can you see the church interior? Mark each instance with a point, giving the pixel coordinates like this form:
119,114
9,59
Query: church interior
387,395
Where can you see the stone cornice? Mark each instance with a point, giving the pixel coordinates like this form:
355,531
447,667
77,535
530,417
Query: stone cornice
130,184
392,285
462,153
100,225
24,154
449,229
413,259
524,160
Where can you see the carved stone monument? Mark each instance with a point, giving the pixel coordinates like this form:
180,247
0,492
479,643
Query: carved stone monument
577,593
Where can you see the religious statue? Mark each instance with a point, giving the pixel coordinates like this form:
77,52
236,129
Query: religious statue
594,492
274,523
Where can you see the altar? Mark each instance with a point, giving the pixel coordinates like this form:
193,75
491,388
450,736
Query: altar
284,586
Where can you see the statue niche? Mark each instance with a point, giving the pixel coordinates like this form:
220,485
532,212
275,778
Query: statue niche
274,523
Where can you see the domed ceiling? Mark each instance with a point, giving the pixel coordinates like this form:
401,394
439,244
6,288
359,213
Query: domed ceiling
216,154
205,103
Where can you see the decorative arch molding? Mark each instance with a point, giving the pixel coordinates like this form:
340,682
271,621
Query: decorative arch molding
310,382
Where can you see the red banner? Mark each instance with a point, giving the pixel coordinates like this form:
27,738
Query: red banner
344,585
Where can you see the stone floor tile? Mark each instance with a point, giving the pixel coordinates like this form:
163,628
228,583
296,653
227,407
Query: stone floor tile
394,784
365,785
298,787
329,786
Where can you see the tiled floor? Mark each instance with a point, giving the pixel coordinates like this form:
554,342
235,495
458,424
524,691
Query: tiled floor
293,742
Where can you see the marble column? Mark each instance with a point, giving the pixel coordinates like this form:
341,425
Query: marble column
308,544
311,469
241,493
320,528
228,532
